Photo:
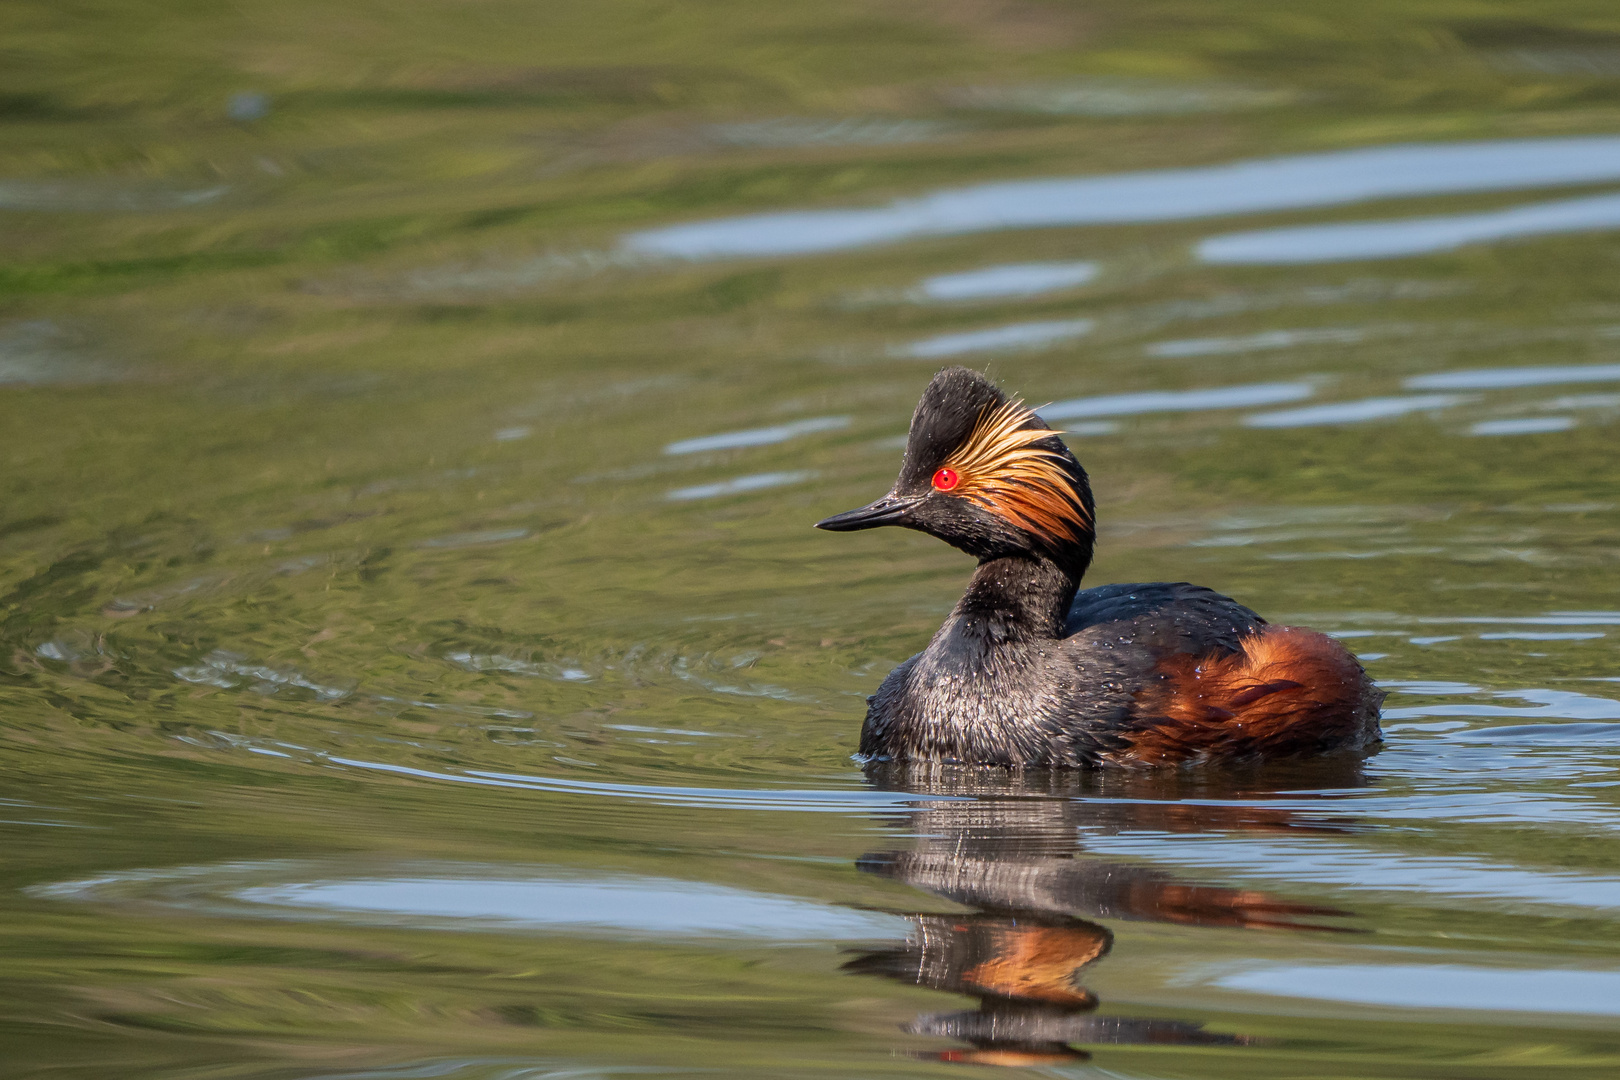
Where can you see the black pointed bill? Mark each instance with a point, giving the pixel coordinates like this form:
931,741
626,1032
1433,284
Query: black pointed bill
889,510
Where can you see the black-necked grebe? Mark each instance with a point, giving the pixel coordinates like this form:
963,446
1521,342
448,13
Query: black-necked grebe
1029,671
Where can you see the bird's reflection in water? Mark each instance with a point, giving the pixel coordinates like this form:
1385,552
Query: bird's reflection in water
1011,846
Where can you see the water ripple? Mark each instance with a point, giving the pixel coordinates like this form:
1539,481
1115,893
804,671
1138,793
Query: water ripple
804,800
1509,377
1001,282
1354,412
1242,187
1031,335
766,436
1247,395
1439,986
1411,236
480,898
1365,869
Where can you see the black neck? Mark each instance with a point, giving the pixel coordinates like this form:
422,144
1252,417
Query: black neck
1019,598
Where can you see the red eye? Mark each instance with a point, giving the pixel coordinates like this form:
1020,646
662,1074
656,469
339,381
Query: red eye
946,479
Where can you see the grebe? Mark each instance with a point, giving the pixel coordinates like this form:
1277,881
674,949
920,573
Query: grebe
1030,671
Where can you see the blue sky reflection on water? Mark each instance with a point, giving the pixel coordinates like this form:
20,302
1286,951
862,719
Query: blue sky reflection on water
481,898
631,905
1438,879
1248,395
1439,986
1243,187
1511,377
740,485
1412,236
1523,425
1354,412
1270,339
1005,282
1018,336
766,436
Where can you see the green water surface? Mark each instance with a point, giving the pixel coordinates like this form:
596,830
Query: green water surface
392,687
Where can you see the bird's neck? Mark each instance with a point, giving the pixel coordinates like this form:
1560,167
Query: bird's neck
1016,599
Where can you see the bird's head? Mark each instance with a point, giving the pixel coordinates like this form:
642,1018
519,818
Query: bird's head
987,475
